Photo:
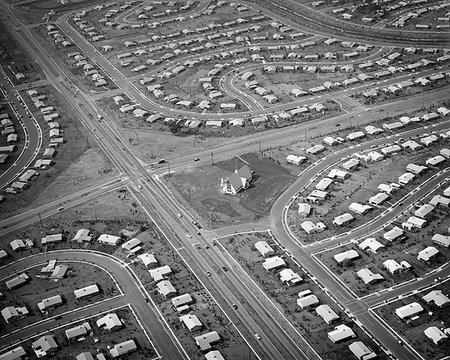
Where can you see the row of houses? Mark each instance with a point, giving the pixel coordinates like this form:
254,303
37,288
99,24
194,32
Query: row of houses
8,132
47,346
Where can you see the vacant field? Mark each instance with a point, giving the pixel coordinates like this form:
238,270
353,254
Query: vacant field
31,12
69,171
17,60
361,185
199,188
306,321
79,275
412,331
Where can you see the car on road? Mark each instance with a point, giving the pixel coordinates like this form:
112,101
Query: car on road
161,161
198,232
139,187
179,215
189,236
234,306
208,273
257,337
224,268
196,159
61,208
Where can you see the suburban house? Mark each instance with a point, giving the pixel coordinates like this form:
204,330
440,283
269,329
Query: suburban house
181,300
361,351
327,313
372,245
307,301
123,348
17,353
191,322
289,277
44,346
49,303
205,341
428,254
435,334
87,291
273,262
109,322
368,277
341,333
409,311
240,180
264,248
437,298
348,255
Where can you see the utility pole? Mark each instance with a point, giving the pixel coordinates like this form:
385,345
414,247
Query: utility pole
40,219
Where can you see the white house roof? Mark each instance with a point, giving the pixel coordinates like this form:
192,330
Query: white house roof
409,310
109,239
17,353
441,240
371,244
273,262
427,253
159,273
44,345
440,200
361,351
181,300
379,198
130,244
165,288
367,276
324,183
424,211
110,322
393,234
341,333
148,259
204,341
86,291
436,297
342,219
359,208
123,348
307,301
264,248
214,355
289,276
327,313
191,321
392,266
304,209
434,334
346,255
